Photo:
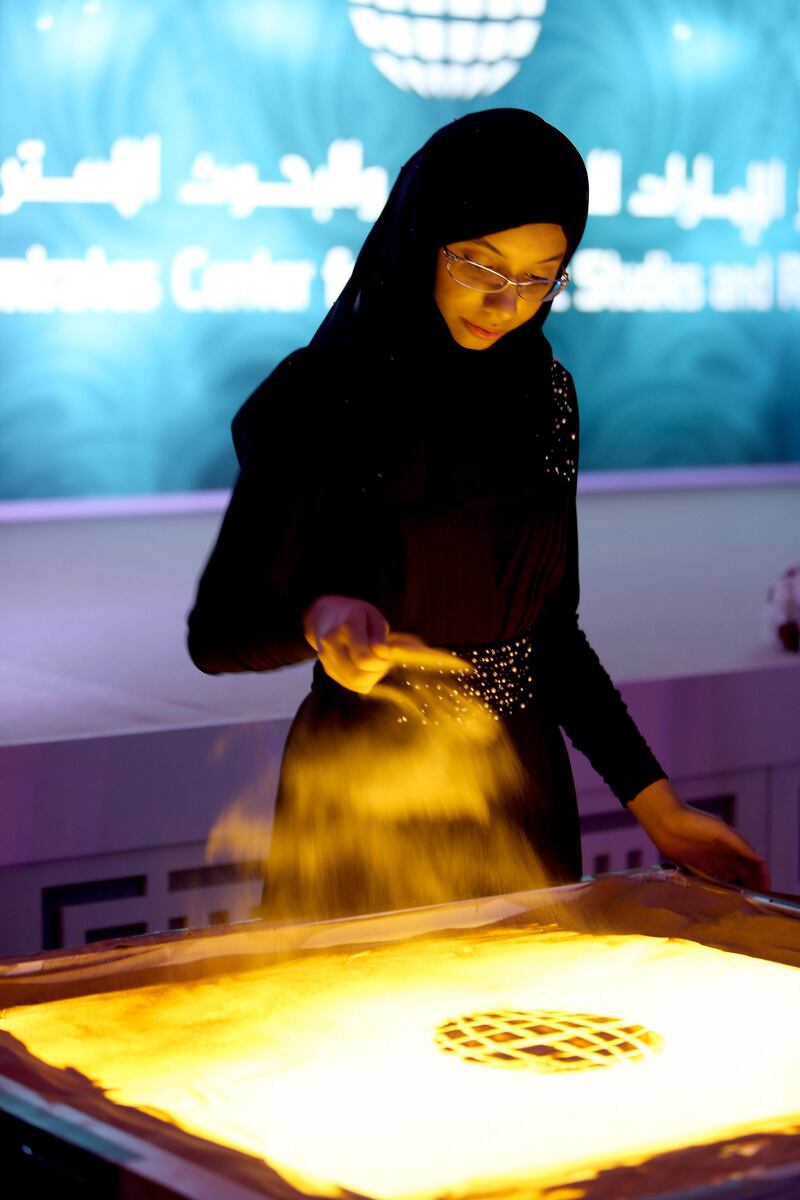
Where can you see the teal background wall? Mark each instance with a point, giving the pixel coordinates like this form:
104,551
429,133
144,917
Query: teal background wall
135,319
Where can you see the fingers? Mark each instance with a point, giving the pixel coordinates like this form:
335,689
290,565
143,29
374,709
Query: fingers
763,881
354,637
359,650
717,864
751,867
753,872
405,639
363,654
348,676
377,630
351,663
348,656
705,844
411,651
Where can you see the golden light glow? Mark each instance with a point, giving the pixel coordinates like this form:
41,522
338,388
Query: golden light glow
328,1066
411,796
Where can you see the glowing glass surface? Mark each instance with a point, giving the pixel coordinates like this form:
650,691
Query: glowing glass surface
328,1068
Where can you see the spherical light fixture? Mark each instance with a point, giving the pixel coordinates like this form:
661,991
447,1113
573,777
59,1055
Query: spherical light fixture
448,49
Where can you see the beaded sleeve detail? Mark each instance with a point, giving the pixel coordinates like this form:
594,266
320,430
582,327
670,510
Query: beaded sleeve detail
561,455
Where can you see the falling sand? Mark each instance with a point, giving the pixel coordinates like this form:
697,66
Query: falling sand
411,795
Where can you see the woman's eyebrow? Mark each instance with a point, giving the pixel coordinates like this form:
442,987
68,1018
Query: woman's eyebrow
489,246
483,242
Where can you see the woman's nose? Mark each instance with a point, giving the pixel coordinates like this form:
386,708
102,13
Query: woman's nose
504,301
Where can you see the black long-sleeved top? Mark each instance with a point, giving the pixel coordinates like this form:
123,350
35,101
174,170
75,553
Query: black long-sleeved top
308,517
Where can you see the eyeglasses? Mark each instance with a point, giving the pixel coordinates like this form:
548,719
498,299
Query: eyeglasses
484,279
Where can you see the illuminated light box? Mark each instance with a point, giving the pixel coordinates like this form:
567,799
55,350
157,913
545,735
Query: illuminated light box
471,1049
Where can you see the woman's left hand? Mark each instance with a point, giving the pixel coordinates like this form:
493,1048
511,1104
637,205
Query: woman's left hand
696,839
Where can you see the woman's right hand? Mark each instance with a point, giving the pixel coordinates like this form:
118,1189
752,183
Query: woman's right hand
356,649
350,638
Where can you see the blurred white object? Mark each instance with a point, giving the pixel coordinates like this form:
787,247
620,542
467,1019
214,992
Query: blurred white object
783,609
448,49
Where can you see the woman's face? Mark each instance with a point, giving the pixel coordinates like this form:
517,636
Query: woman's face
476,319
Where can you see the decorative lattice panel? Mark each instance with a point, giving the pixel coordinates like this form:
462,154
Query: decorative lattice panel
545,1041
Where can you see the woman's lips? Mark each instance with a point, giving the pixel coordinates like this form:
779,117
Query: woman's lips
479,331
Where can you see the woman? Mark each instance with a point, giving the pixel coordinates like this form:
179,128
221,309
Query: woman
414,469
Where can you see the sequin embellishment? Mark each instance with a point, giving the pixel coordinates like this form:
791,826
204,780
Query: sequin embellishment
502,679
561,457
503,674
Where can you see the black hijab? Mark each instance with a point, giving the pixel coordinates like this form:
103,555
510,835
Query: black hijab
427,417
480,174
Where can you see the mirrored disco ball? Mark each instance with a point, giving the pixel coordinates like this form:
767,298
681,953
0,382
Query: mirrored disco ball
448,49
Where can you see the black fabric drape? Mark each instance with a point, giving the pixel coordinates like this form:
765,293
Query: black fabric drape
385,461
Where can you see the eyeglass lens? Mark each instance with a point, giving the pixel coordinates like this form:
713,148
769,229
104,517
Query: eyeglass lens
484,280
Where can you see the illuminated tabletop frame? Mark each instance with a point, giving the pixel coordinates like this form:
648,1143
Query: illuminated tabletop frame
48,1124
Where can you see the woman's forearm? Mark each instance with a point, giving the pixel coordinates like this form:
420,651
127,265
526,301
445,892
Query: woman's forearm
224,644
655,803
